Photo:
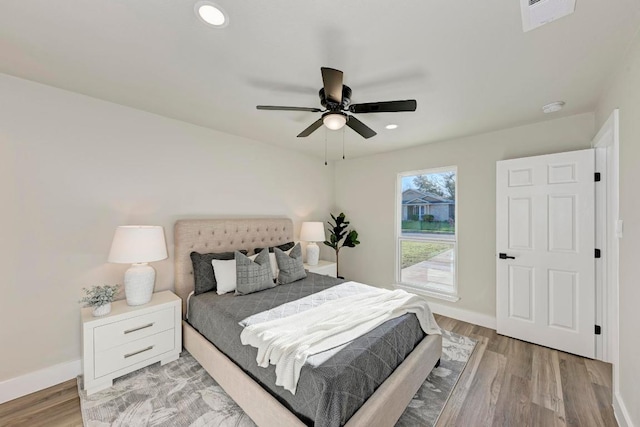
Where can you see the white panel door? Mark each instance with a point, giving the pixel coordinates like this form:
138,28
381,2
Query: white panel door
545,244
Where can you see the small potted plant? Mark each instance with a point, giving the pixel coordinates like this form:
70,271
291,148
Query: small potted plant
100,298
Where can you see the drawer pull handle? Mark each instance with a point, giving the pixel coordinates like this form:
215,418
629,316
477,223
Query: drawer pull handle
128,331
126,356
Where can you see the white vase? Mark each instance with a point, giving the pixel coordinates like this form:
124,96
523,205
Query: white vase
313,253
139,281
101,310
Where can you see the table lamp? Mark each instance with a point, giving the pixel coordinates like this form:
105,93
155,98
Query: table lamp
312,232
138,245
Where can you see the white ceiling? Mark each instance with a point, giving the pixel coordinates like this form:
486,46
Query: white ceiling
468,63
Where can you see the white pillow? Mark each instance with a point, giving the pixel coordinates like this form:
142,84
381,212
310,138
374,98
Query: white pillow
274,263
225,272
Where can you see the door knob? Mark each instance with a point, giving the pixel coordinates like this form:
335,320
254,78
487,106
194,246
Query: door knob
505,256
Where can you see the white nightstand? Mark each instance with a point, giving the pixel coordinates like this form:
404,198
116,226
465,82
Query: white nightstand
326,268
130,338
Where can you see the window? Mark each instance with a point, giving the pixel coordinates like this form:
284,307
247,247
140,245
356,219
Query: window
426,231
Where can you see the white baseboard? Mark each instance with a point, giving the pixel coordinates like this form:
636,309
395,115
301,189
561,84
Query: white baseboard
464,315
35,381
620,411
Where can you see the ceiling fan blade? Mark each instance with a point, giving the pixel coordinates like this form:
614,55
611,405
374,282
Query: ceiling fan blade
308,131
360,127
332,80
384,107
278,108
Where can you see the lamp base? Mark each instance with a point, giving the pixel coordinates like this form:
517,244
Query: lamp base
313,253
139,280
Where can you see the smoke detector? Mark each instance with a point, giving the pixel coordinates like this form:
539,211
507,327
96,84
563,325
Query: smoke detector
553,107
536,13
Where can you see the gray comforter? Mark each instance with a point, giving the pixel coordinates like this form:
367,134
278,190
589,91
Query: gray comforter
327,394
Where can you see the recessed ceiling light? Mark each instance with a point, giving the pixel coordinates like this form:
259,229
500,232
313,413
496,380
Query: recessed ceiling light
390,127
553,107
212,14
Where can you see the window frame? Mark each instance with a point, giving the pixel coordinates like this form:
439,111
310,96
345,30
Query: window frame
435,291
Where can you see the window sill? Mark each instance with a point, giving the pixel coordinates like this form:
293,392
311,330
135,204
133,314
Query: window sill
428,293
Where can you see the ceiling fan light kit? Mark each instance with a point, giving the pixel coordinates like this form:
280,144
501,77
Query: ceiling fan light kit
335,97
334,121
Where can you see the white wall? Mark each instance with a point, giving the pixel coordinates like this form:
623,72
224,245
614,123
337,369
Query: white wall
365,191
624,93
72,168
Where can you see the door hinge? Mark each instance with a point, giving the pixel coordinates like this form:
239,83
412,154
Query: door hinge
598,253
598,330
597,176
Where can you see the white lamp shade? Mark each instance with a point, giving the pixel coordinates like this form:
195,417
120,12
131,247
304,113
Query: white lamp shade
312,232
138,243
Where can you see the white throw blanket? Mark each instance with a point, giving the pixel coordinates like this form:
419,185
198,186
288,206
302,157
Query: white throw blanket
288,342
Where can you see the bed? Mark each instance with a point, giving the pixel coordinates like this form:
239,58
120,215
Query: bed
266,406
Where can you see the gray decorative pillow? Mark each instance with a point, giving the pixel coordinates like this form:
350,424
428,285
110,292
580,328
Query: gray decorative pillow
203,276
291,266
253,276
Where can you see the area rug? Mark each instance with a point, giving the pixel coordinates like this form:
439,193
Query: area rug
181,393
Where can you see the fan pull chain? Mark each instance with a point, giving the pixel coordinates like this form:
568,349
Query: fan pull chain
342,143
325,147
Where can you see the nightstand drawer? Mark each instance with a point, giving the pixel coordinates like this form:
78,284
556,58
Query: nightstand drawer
124,331
134,352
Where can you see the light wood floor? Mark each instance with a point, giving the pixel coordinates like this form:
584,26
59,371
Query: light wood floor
506,383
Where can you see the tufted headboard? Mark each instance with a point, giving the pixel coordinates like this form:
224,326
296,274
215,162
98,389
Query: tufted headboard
222,235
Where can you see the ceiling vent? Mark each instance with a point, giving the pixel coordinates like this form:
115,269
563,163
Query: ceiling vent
536,13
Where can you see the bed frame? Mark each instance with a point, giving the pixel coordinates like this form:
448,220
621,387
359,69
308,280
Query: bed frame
382,409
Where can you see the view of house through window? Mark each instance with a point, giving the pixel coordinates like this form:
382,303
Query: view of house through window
427,230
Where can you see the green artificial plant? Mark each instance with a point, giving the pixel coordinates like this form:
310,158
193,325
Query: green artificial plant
339,231
97,296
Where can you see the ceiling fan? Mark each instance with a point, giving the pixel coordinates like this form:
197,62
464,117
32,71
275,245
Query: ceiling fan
336,99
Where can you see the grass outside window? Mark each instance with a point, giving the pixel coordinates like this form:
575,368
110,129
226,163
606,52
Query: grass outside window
435,227
415,252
